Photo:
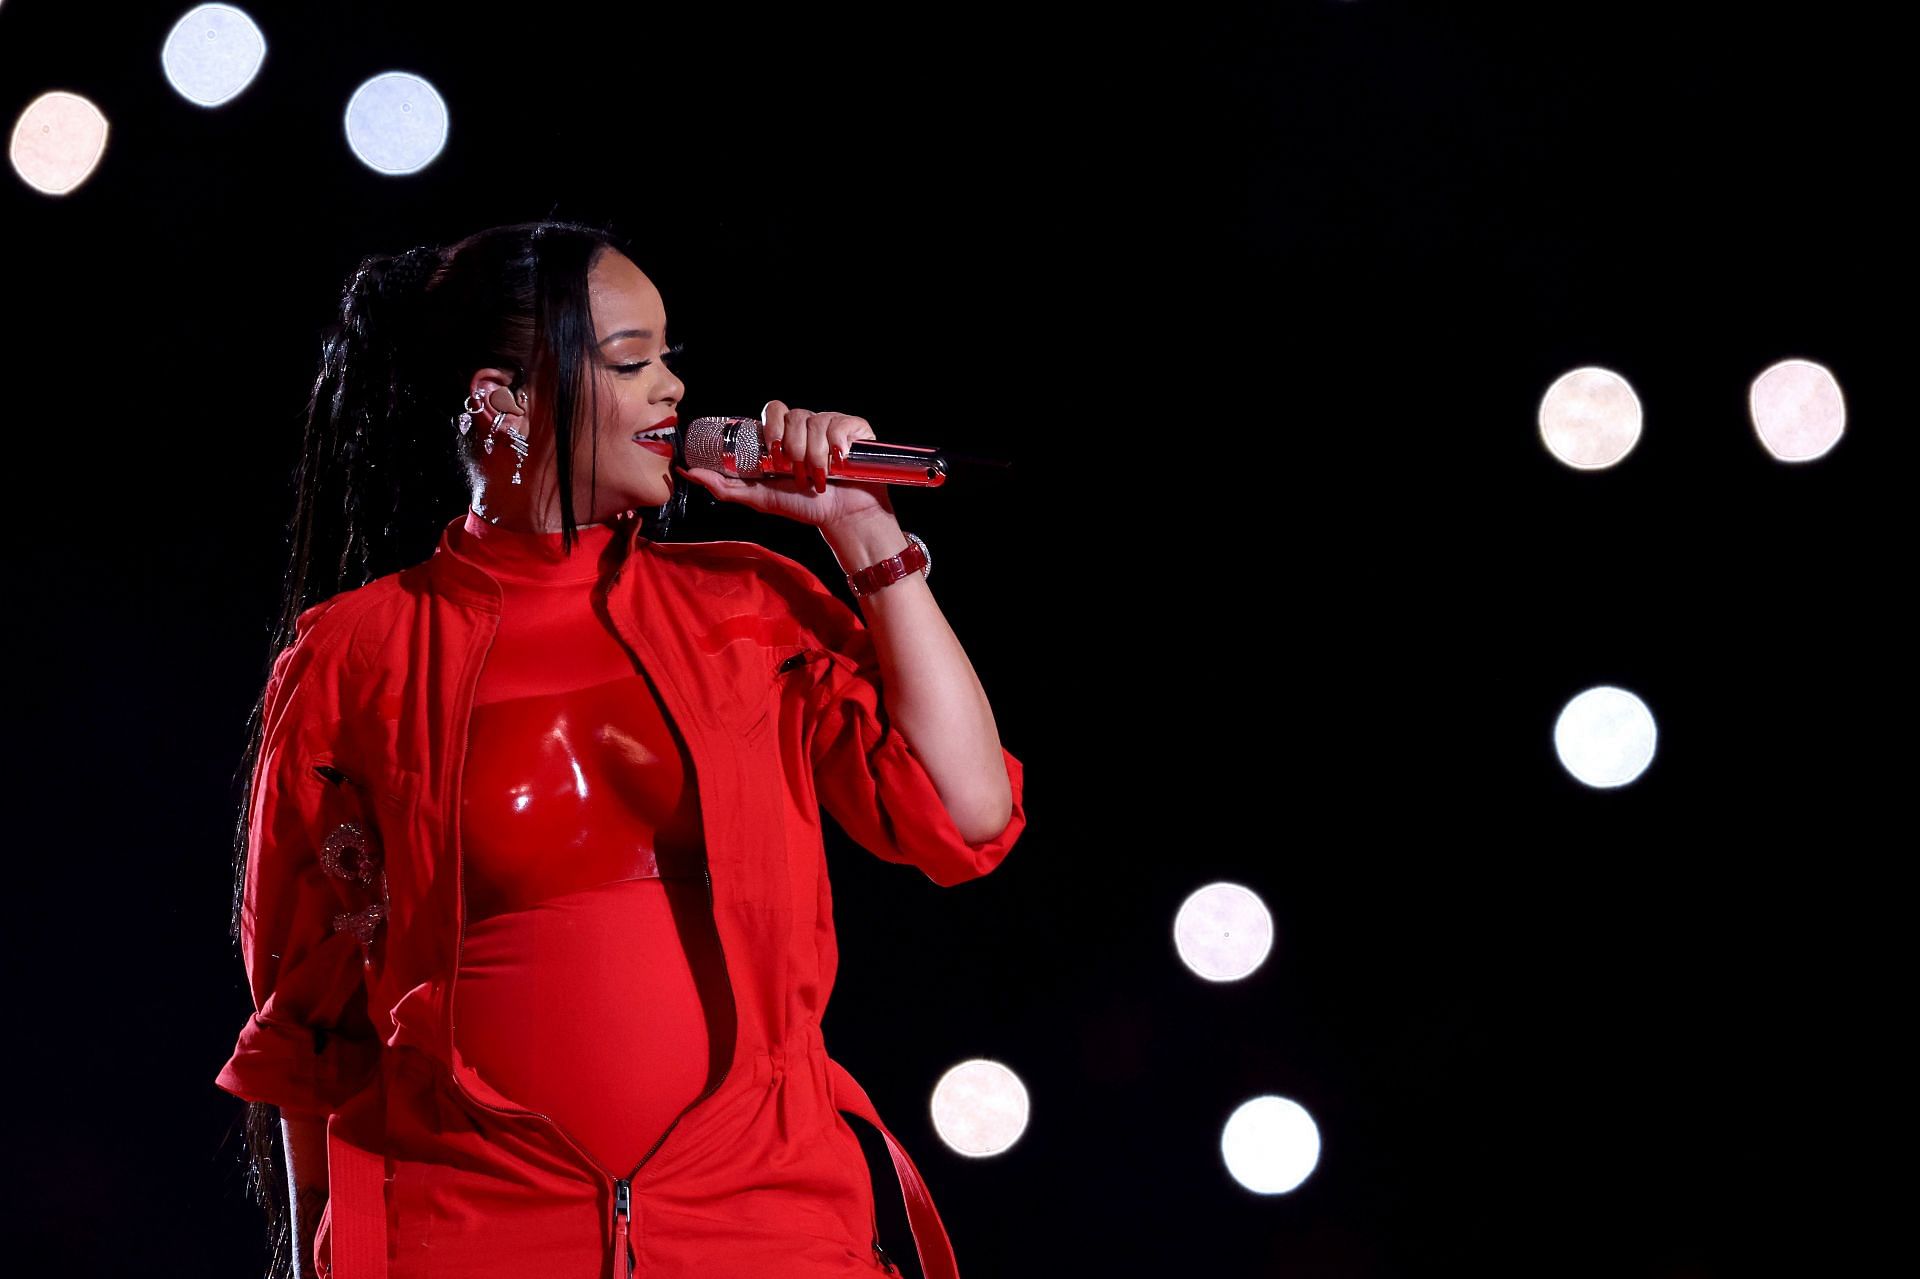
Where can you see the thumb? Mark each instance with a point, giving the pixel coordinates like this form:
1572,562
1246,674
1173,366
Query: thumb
710,480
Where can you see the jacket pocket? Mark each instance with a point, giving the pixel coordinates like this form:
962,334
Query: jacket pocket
359,788
776,684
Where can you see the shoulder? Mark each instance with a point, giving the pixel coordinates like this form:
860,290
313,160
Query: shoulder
779,584
324,626
774,575
322,632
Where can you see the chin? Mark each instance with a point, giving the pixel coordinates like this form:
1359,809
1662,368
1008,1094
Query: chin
643,493
645,501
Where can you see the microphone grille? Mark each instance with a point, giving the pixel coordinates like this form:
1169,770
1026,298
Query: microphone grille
724,444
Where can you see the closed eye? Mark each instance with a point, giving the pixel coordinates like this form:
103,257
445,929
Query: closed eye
671,353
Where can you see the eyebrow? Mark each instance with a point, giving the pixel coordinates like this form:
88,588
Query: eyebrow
626,333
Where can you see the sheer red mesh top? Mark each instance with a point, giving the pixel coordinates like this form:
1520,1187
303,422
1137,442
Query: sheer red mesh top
591,988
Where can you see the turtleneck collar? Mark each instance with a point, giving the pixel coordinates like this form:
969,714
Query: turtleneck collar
514,555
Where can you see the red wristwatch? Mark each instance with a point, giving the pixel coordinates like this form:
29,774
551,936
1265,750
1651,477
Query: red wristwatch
892,569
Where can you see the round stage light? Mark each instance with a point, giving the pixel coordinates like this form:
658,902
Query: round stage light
1797,410
980,1107
396,123
1605,736
1223,931
212,53
1270,1145
1590,418
57,142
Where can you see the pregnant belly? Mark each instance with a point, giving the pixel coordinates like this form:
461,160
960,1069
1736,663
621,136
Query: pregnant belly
605,1009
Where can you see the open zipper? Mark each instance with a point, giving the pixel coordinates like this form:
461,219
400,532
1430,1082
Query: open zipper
622,1186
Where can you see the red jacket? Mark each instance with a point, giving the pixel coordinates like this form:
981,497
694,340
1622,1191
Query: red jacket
352,922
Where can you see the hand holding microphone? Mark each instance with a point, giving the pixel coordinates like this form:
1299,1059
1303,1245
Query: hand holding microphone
726,454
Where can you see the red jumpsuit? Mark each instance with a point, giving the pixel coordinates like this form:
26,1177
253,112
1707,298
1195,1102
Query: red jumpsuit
590,979
383,979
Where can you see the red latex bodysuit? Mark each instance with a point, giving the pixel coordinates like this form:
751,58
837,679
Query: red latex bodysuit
591,987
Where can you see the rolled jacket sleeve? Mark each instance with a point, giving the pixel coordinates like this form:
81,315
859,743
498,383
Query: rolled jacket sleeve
309,1045
866,773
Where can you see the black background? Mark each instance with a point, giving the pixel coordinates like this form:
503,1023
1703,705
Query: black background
1281,587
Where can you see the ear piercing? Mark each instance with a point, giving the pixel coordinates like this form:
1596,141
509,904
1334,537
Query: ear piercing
476,402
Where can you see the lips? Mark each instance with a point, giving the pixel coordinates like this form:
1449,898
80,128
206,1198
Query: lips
664,447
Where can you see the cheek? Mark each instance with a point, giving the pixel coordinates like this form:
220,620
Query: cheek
618,408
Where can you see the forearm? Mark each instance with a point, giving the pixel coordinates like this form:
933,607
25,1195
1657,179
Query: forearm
932,694
305,1141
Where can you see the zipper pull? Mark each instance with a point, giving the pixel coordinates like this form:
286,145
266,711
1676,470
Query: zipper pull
622,1205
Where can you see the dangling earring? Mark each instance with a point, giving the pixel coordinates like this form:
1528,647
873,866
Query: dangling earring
464,419
517,440
514,438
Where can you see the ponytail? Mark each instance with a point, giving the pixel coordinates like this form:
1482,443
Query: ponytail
371,470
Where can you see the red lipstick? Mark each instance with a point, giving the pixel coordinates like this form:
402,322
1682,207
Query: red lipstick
663,447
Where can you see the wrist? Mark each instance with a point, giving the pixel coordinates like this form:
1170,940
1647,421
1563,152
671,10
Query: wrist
863,540
876,558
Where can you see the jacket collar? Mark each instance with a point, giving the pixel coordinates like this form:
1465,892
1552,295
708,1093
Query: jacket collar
461,580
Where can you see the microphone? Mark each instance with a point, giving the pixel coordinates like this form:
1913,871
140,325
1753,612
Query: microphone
731,446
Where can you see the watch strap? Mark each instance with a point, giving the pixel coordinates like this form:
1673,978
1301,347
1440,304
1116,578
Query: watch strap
914,558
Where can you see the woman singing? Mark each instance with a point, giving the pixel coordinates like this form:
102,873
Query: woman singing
530,885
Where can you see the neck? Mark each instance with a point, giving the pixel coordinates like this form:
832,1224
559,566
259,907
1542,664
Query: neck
521,521
515,526
525,555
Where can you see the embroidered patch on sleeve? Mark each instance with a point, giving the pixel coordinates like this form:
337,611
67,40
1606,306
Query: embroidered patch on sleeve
349,854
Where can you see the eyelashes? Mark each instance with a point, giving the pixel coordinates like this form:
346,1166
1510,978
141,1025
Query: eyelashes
670,354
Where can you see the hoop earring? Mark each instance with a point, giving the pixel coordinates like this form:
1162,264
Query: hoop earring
464,418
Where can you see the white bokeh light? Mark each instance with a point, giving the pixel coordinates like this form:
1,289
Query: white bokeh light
1797,410
1270,1145
1605,736
980,1107
1223,931
57,142
212,53
396,123
1590,418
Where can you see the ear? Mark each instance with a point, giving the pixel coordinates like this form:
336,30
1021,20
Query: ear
495,386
